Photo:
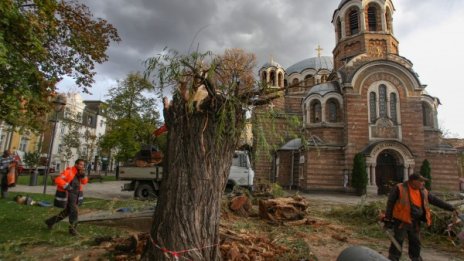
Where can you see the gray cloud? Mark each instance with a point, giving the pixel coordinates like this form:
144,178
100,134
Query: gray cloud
289,30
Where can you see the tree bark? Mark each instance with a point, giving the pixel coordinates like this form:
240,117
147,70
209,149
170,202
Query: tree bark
197,164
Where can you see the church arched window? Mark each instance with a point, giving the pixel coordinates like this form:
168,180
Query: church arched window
393,112
332,111
372,18
339,29
427,116
272,79
295,82
309,80
382,101
264,77
305,112
280,80
373,106
353,17
324,78
316,111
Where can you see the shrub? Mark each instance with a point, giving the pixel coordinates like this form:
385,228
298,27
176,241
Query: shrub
359,174
425,171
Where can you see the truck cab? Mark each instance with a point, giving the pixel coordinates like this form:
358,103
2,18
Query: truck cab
241,174
145,179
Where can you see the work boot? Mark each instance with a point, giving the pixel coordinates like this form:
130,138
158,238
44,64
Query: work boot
73,231
49,224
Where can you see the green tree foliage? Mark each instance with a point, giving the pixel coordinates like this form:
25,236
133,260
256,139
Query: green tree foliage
425,171
359,174
40,42
132,117
32,159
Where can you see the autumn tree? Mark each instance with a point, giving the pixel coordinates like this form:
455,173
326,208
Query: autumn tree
40,43
132,117
204,120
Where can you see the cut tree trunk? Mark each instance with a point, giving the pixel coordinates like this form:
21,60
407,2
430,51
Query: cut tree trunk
186,218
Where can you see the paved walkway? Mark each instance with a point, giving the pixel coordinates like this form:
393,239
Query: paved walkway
105,190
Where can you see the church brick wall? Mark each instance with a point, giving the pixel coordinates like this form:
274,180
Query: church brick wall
444,171
432,138
330,135
324,169
413,130
293,104
357,132
276,133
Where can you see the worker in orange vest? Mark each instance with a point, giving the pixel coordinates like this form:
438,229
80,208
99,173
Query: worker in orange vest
408,206
69,195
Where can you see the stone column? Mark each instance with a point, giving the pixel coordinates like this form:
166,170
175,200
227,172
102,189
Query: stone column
368,170
383,19
362,24
411,169
373,179
406,173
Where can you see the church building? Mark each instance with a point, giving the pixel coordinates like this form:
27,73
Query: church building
366,99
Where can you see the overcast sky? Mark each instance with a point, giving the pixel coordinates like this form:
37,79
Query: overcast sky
429,32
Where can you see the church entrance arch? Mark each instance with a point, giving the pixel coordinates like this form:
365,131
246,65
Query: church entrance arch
387,163
388,169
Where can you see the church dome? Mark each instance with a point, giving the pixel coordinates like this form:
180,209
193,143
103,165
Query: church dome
324,88
271,64
342,3
316,63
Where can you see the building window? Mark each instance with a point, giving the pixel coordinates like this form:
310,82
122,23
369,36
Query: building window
281,80
372,18
373,106
382,101
264,77
332,108
272,75
339,29
309,80
316,111
393,114
90,120
23,143
427,116
386,104
354,22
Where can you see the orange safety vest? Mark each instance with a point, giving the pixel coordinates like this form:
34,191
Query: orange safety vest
402,207
62,181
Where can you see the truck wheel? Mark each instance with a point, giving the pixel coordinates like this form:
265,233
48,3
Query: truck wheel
145,191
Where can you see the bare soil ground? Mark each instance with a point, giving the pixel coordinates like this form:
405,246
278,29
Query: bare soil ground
321,238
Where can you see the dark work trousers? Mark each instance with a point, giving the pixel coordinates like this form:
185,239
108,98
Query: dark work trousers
70,210
4,185
413,232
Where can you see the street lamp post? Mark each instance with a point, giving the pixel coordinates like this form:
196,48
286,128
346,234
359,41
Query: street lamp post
59,104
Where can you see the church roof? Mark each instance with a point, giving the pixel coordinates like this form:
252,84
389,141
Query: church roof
271,64
316,63
324,88
292,145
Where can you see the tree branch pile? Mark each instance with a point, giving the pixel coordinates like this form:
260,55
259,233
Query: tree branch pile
245,246
280,210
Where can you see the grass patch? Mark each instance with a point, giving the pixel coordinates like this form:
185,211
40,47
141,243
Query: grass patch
23,226
25,179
